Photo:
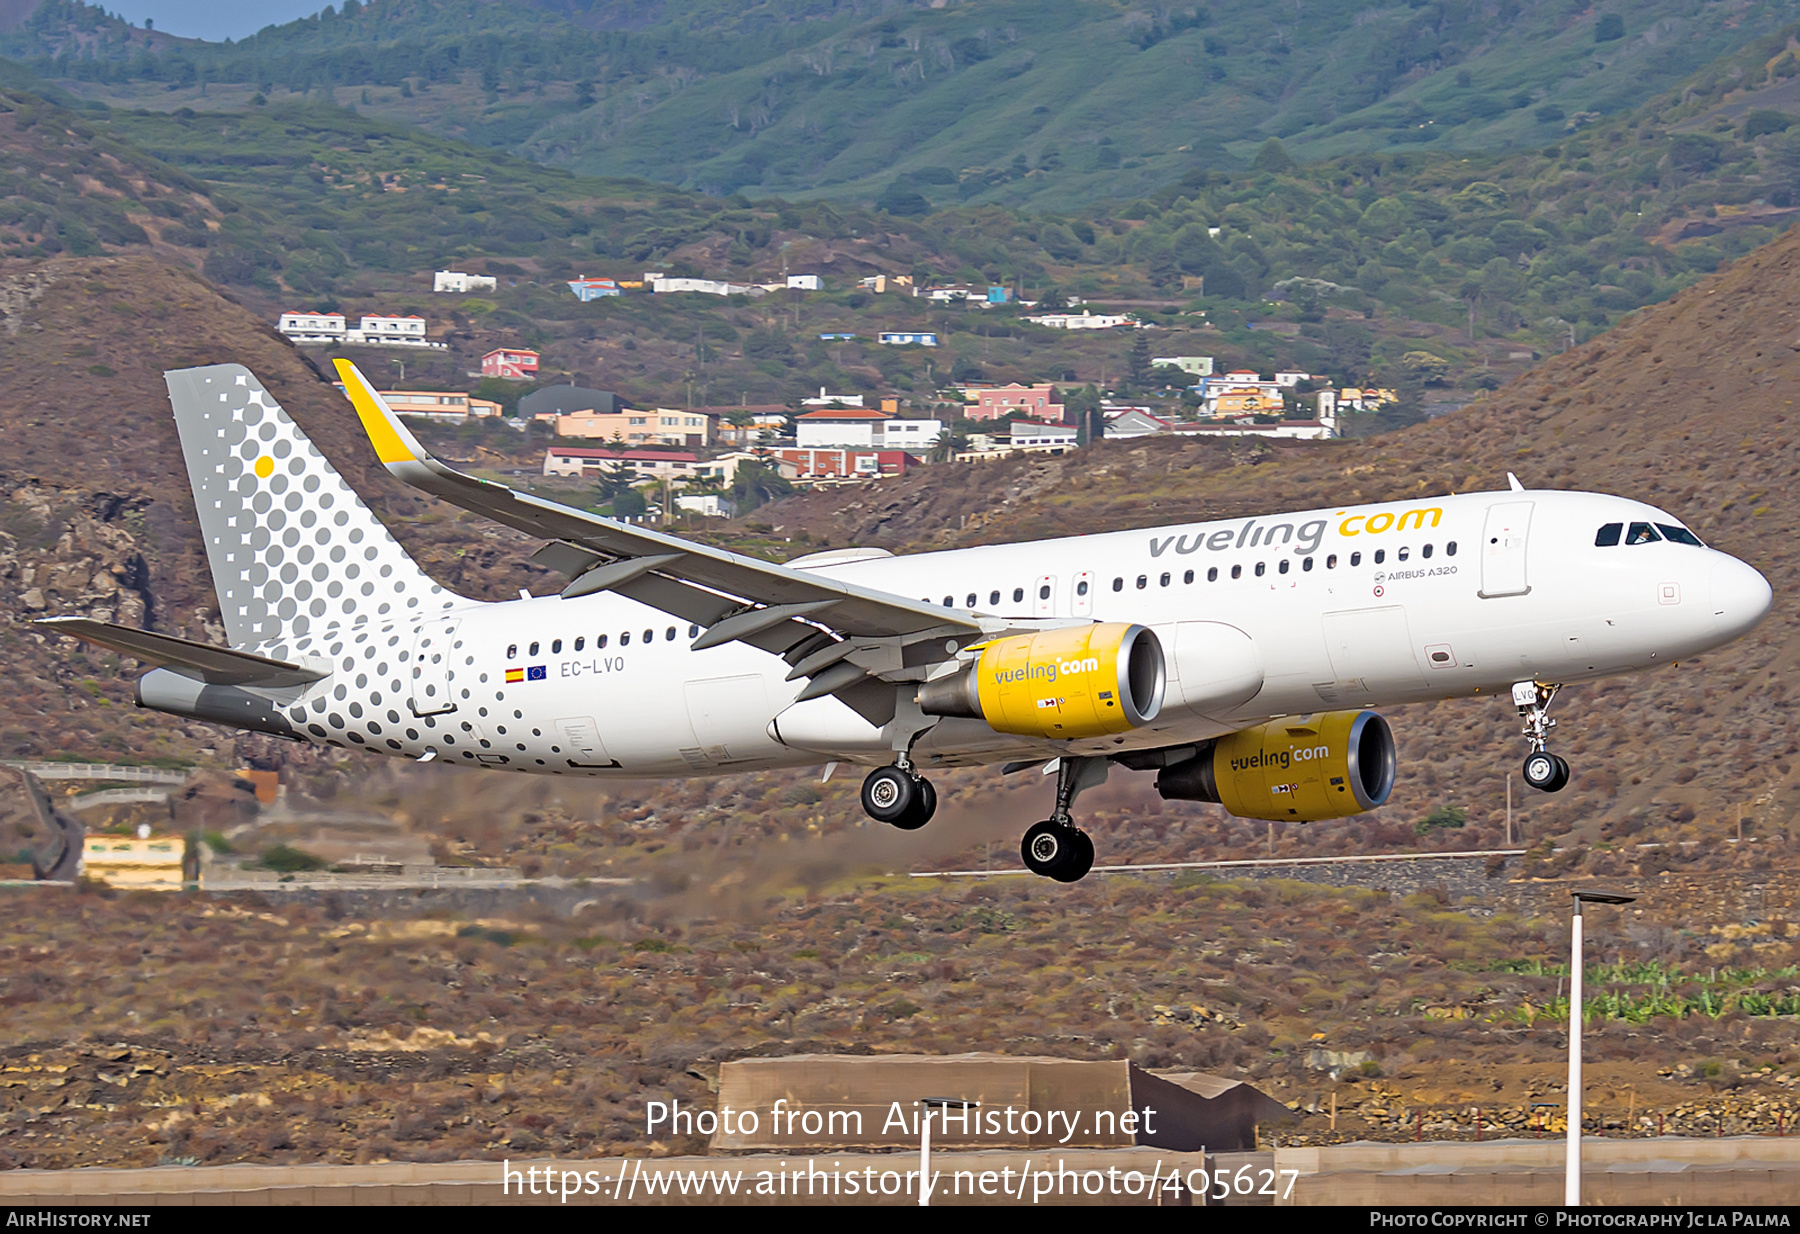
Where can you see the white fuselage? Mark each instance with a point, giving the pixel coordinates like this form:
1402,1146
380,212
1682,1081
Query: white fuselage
1326,610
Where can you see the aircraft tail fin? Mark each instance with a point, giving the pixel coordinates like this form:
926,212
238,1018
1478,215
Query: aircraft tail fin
293,549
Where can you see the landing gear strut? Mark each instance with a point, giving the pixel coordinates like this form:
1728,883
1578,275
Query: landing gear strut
1543,770
1056,848
899,796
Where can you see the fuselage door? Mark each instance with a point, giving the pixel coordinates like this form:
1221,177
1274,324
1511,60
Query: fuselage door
432,646
1083,599
1503,549
1044,597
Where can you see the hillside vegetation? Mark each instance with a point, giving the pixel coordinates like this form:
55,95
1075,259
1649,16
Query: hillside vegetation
1056,105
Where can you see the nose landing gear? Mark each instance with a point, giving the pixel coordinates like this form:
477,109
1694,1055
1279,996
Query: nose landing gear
1543,771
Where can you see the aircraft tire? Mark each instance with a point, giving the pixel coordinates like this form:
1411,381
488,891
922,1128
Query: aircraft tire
1546,772
1057,851
924,806
889,795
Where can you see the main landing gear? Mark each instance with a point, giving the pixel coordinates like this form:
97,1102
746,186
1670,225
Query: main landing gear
1543,770
899,796
1056,848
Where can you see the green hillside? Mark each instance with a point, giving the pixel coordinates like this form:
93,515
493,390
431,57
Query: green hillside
1050,104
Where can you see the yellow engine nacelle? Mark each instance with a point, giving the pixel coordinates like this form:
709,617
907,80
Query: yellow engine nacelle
1299,769
1080,681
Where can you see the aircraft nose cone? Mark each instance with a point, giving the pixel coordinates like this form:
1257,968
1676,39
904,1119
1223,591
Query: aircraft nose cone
1740,597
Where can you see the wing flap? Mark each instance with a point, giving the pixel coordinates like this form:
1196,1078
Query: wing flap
216,666
854,610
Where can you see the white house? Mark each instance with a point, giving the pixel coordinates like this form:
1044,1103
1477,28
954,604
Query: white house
840,426
379,331
1199,366
913,436
906,338
312,327
1086,319
803,282
711,287
456,280
1027,434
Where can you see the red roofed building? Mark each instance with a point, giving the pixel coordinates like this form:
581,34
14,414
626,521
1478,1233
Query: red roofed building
512,363
852,464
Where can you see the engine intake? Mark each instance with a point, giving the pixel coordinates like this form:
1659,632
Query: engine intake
1080,681
1299,769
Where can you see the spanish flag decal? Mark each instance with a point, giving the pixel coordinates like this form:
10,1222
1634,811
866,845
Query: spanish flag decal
514,674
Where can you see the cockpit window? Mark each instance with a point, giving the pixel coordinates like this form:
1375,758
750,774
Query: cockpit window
1608,535
1641,533
1679,535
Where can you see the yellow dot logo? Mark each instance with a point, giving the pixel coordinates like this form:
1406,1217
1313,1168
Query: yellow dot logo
265,466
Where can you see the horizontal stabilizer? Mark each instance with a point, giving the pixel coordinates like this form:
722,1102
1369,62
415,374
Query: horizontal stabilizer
216,666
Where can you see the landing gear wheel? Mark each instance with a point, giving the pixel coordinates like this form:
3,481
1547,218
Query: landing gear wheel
1056,850
1546,772
890,795
923,807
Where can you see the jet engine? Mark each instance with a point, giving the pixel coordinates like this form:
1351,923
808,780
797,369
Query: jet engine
1078,681
1298,769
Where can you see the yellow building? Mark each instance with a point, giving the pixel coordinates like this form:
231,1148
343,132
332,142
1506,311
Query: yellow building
1248,401
151,863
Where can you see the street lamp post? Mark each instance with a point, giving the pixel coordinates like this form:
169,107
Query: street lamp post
945,1104
1572,1172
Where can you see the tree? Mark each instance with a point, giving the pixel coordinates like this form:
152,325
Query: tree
1140,361
899,200
614,481
1082,409
630,504
1609,28
756,483
1272,156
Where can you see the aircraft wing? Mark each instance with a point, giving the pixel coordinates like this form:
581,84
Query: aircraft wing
774,607
214,665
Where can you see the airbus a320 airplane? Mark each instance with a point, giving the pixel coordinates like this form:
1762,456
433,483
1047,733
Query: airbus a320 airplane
1235,659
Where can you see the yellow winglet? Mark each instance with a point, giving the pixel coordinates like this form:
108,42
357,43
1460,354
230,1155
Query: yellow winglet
393,444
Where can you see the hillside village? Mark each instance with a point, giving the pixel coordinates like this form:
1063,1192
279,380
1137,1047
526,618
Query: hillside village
687,459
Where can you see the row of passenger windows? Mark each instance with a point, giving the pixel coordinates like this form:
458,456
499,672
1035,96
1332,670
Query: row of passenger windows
1644,533
580,644
1282,566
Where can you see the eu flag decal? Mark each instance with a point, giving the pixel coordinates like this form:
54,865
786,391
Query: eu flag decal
537,672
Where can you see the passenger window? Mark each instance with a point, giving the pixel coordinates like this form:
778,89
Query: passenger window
532,650
556,647
693,632
625,638
600,642
993,597
1403,554
971,603
1306,563
1450,549
1641,533
1212,574
1081,588
1165,578
1143,581
512,651
1426,551
1019,592
1331,562
1679,535
1118,584
1188,577
1356,559
1044,592
669,634
649,636
1608,536
1380,555
1259,569
1283,567
580,642
1237,572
